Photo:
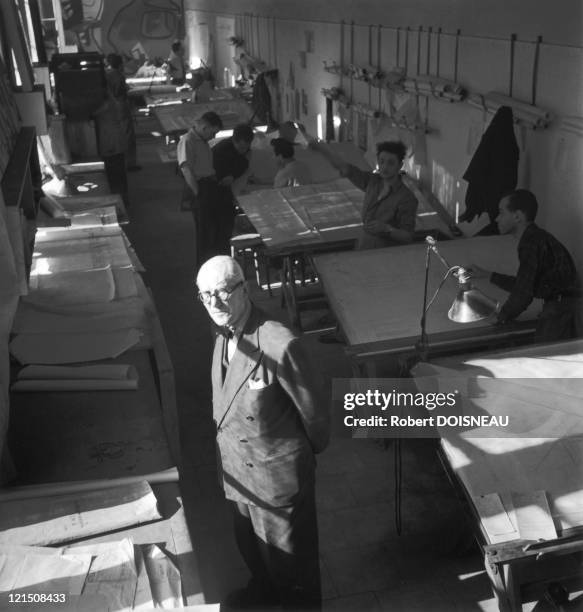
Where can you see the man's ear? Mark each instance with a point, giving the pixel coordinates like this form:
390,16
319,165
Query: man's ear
519,216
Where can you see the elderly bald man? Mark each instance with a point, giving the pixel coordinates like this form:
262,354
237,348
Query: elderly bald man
271,419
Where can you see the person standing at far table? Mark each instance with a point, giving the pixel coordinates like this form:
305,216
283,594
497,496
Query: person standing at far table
390,208
176,67
117,87
231,162
201,190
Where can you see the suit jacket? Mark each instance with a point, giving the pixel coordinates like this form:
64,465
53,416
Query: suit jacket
270,413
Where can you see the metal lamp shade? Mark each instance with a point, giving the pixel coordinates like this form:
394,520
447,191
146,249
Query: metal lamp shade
471,305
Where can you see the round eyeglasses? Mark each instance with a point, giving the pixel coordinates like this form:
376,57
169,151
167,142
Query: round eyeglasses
220,294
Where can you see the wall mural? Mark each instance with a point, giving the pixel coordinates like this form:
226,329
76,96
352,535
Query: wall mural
136,29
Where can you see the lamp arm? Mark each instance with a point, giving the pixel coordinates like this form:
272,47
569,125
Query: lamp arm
432,246
451,270
422,344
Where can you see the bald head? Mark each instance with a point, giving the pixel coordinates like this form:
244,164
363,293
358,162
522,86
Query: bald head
222,287
219,268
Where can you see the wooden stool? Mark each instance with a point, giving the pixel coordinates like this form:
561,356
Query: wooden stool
249,247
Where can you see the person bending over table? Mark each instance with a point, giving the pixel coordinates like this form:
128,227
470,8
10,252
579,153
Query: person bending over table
231,163
389,207
291,172
546,271
201,190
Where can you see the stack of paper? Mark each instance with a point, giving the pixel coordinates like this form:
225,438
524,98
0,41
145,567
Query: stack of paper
121,575
84,303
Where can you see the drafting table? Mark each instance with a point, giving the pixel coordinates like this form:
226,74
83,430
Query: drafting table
100,434
541,389
163,95
177,119
311,219
301,221
377,297
153,100
60,438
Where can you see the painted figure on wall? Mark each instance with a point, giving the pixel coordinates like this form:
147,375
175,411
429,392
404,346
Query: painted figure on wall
108,26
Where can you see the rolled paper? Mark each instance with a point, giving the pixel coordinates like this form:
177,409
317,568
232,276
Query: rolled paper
42,386
102,372
78,486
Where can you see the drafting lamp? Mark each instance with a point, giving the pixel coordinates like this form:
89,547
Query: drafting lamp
469,305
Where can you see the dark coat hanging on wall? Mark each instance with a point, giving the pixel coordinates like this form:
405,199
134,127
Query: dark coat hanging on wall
493,169
261,100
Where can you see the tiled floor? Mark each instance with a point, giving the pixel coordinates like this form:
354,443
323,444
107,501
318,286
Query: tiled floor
365,564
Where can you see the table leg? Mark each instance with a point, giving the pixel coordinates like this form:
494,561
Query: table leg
498,575
512,582
363,369
288,290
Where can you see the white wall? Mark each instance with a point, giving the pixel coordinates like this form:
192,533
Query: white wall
551,160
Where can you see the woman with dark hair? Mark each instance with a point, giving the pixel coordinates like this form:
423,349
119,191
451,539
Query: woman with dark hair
389,208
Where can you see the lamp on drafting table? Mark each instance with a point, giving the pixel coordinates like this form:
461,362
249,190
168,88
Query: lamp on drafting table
469,305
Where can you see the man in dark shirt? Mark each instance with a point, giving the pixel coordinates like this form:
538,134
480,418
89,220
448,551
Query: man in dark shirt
546,271
231,163
231,156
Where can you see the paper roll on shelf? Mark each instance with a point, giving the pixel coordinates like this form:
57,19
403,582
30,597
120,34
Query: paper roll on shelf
42,386
78,486
98,372
436,87
524,114
572,124
35,378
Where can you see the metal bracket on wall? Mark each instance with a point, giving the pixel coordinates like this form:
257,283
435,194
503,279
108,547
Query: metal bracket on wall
512,53
535,63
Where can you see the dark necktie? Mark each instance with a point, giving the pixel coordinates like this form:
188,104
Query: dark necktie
227,335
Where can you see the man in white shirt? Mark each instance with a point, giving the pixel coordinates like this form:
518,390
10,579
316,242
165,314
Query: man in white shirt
195,160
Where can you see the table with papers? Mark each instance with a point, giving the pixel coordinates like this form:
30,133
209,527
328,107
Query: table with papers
301,221
377,298
176,119
93,433
312,219
522,482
